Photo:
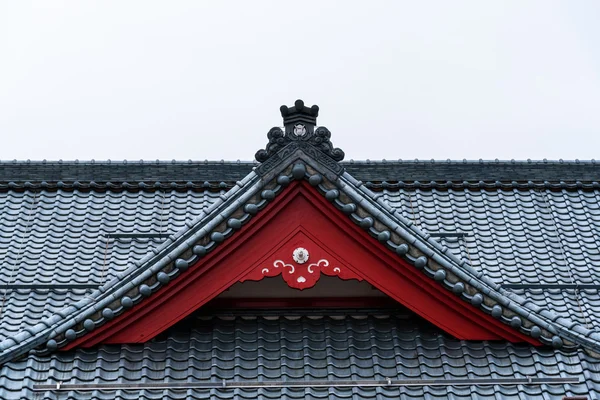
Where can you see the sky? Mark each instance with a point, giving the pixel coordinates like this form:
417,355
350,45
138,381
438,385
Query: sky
393,79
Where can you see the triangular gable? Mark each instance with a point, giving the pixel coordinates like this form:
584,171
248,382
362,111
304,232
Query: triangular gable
299,218
298,195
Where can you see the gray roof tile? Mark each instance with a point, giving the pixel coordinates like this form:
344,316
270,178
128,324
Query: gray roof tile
518,236
513,244
64,242
262,349
61,239
259,349
24,308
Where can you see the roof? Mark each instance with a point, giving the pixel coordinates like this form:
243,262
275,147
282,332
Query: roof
218,351
533,238
114,298
496,243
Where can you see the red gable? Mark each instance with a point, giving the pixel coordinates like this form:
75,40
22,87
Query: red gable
300,218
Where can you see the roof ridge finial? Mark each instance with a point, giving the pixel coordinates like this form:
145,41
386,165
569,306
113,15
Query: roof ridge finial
300,129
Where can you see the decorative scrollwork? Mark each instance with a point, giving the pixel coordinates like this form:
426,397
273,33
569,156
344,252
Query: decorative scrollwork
277,141
279,263
301,263
319,139
322,141
320,263
303,275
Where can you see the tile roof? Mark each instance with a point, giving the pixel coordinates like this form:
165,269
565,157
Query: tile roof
59,237
52,237
267,349
455,274
519,237
82,242
516,236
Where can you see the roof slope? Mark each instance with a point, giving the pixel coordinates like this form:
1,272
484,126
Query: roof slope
240,350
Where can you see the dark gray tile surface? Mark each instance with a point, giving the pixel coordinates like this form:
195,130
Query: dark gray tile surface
226,171
24,308
516,237
520,237
244,349
59,237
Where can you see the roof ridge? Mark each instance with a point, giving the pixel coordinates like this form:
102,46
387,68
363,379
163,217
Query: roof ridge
349,161
197,175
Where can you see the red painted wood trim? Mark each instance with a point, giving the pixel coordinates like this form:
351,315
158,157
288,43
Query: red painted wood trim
300,209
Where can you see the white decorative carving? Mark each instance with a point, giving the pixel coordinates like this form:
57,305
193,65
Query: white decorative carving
320,263
300,273
299,130
279,263
300,255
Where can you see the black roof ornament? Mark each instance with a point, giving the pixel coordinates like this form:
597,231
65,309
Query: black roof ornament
299,120
299,123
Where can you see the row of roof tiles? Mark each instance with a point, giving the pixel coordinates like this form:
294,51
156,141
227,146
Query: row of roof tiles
351,161
247,349
377,186
198,173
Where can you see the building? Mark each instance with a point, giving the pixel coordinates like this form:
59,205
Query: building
300,276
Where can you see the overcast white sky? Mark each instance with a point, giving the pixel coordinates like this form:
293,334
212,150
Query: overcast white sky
205,79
